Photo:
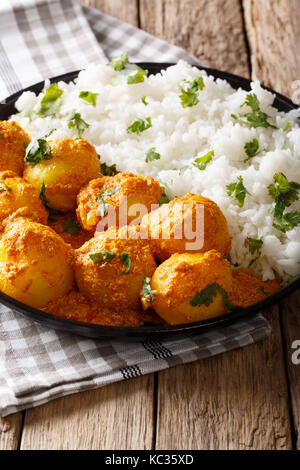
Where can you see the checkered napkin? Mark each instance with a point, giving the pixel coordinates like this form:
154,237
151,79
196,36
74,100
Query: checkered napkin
40,39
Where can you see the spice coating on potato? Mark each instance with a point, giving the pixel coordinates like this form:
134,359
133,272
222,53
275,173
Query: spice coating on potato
69,229
73,164
174,225
12,150
16,193
106,281
35,263
74,306
135,189
248,288
177,280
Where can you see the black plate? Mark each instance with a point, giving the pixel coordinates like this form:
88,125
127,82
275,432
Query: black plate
98,331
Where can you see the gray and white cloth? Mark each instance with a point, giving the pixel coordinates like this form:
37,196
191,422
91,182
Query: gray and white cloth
41,39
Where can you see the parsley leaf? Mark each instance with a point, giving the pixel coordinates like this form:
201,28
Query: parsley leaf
72,227
89,97
257,118
143,100
139,126
152,155
125,258
285,221
254,244
251,149
118,63
202,162
50,102
76,121
283,192
138,77
53,213
208,293
102,256
4,187
103,206
147,292
189,96
238,191
107,170
36,151
164,198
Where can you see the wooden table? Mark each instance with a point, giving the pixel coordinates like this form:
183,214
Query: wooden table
244,399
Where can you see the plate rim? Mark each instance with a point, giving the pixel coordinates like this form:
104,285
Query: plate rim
104,331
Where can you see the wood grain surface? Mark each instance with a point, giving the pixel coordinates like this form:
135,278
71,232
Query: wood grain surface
244,399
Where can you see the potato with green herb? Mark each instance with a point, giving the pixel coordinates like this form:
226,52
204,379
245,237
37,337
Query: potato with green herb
110,268
63,166
189,287
124,192
12,146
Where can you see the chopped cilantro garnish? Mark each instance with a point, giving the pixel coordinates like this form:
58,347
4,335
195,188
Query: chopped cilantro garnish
205,297
254,244
263,290
143,100
89,97
43,194
251,149
107,170
76,121
147,292
164,198
238,191
4,187
103,206
152,155
257,118
53,213
118,63
50,102
287,126
125,259
139,126
283,192
189,94
36,151
102,257
202,162
138,77
285,221
72,227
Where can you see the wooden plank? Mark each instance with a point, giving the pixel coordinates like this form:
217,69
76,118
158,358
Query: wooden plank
237,400
125,10
273,29
10,429
119,416
212,31
290,318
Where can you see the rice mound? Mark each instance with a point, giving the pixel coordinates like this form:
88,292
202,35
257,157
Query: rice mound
180,135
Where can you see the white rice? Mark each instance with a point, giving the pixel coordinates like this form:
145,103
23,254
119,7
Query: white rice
182,134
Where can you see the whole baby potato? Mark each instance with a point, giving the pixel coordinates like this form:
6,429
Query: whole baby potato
110,268
35,263
130,195
16,193
72,164
191,223
12,150
189,287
